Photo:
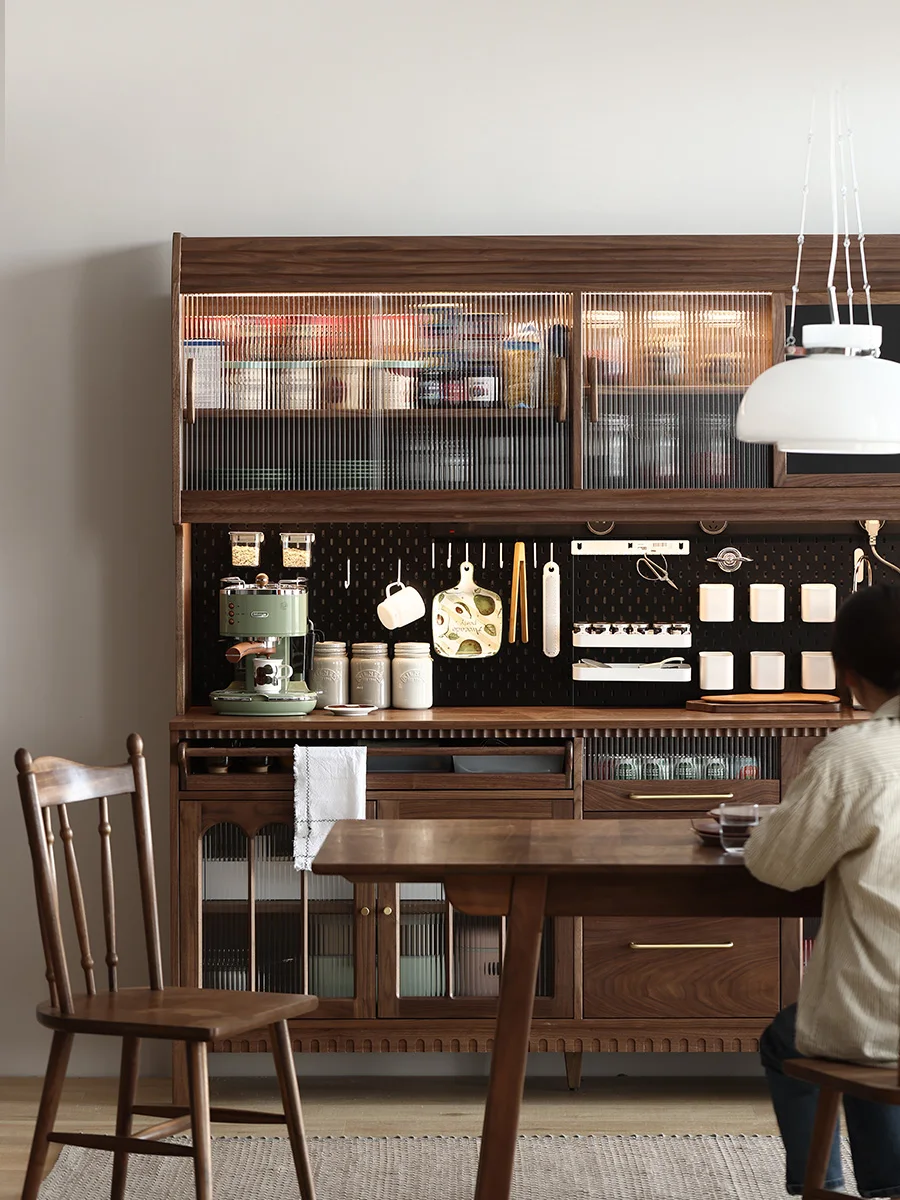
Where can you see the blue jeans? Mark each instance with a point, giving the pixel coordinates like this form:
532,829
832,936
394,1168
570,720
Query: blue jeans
873,1129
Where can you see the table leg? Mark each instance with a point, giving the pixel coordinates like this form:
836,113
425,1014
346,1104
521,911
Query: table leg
518,980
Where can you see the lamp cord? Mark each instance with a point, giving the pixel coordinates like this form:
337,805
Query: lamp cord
860,236
791,340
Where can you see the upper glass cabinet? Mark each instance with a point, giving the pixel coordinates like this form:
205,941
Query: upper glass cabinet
664,374
319,392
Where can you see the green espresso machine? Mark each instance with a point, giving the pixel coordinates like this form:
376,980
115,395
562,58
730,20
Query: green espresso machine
266,619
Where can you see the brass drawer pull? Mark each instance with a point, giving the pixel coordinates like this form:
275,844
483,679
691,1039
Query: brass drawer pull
681,796
681,945
364,911
387,910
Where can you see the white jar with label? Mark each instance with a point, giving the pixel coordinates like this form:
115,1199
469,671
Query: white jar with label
370,674
330,675
412,675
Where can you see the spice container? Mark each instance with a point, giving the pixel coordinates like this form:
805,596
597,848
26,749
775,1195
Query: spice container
245,545
247,385
482,384
412,675
394,384
370,674
296,384
296,549
347,383
330,675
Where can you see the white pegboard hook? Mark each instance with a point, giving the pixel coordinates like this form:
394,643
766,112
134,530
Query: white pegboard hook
347,579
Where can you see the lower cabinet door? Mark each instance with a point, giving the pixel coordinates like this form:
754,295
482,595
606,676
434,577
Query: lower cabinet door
675,967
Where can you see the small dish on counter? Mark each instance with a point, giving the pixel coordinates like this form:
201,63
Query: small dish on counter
707,830
349,710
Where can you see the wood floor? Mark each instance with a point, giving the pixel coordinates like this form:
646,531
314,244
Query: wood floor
373,1107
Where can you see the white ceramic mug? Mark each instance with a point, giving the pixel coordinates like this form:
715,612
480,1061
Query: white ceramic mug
399,608
716,601
817,671
767,670
269,674
716,670
767,602
818,602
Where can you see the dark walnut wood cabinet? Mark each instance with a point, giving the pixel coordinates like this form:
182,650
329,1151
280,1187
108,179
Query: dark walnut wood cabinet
474,384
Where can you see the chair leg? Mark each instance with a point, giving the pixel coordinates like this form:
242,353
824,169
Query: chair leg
290,1098
820,1144
128,1080
198,1087
60,1049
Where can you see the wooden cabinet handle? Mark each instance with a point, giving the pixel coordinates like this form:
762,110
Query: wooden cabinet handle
594,382
562,371
190,413
387,910
364,911
681,945
681,796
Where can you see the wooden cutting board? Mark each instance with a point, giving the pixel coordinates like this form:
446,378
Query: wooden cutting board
783,702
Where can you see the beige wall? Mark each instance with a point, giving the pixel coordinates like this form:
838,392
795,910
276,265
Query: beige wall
126,121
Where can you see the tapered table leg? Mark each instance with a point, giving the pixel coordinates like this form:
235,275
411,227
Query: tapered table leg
518,980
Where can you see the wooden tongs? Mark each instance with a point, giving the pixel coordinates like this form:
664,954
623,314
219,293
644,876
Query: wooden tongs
518,600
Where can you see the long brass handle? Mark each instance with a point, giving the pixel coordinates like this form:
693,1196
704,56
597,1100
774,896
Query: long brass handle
681,796
681,945
190,414
594,381
562,370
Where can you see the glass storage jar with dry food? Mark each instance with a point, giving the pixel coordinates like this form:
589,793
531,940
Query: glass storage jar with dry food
245,547
370,674
520,358
330,675
296,549
412,675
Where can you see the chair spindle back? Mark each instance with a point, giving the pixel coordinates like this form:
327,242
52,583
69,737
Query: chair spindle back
48,783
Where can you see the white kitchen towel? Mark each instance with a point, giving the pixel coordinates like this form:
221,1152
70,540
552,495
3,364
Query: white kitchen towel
329,786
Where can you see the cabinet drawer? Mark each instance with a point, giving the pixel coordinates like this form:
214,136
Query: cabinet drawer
470,768
453,806
675,795
674,967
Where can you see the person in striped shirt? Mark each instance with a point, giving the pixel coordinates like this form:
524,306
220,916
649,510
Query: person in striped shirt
839,822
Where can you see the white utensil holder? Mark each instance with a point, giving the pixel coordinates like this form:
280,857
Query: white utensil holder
818,602
716,601
767,670
716,670
767,602
817,671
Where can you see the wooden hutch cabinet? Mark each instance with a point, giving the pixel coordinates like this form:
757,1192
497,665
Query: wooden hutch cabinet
389,393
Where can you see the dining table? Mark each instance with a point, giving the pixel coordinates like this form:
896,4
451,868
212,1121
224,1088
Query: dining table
526,870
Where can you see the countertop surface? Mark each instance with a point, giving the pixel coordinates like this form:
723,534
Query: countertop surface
503,721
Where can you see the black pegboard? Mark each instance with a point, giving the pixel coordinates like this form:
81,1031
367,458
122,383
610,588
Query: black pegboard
592,589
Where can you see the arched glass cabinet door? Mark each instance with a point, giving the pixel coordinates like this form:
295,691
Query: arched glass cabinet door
250,921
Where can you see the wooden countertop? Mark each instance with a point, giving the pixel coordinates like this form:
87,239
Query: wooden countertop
506,722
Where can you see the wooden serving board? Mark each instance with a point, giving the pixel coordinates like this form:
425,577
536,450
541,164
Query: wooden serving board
783,702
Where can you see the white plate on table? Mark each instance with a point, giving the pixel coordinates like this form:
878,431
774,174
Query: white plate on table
350,710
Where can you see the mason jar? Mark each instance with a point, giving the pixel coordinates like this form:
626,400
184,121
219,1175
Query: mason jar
370,674
330,673
412,675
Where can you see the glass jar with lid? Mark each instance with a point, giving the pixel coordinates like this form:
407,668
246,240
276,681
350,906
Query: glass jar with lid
412,675
330,675
370,674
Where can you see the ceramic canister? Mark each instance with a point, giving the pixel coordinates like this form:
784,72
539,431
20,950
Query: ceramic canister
370,674
412,675
330,674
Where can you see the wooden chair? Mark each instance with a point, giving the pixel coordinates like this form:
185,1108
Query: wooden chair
881,1085
195,1016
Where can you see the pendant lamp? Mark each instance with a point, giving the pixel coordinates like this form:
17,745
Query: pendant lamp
836,395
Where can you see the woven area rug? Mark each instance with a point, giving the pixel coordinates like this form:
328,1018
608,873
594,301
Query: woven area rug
443,1168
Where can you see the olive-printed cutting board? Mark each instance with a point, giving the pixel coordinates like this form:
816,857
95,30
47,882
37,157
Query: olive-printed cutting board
467,620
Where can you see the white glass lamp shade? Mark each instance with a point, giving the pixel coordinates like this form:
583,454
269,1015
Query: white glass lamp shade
827,403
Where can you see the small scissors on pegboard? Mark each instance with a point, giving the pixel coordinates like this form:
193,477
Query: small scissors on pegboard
652,571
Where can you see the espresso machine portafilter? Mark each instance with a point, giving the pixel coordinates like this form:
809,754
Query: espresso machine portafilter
267,621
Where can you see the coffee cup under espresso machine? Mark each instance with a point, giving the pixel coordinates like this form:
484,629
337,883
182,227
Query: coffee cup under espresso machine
272,649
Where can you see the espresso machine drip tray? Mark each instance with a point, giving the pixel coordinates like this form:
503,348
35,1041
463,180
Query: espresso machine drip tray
297,701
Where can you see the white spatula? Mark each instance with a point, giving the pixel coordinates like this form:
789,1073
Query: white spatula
551,609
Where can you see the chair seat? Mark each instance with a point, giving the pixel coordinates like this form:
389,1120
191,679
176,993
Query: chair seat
879,1084
181,1014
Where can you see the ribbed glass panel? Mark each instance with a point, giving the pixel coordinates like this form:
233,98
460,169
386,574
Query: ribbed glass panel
330,935
408,391
695,757
225,908
664,374
278,912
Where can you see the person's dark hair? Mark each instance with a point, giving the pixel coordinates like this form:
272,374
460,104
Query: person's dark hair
866,636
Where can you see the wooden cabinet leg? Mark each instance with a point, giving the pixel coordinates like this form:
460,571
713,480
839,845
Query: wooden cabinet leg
573,1069
518,979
